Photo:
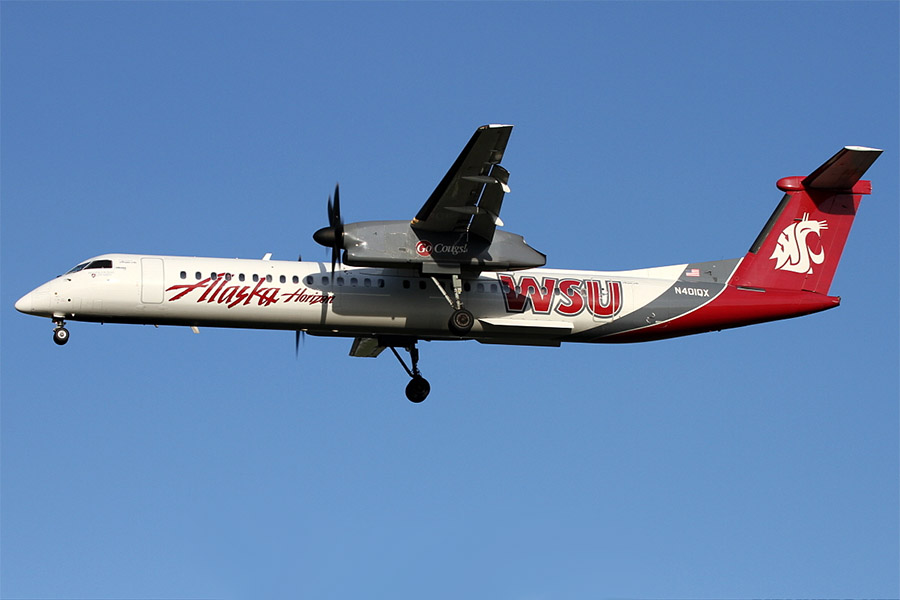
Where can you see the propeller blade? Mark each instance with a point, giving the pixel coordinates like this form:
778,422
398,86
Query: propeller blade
333,235
338,225
337,205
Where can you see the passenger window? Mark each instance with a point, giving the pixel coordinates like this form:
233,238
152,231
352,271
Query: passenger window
339,281
309,280
467,286
494,288
282,279
295,279
198,275
367,282
324,281
269,278
381,283
353,281
406,284
241,277
479,287
184,274
227,276
212,276
255,278
421,284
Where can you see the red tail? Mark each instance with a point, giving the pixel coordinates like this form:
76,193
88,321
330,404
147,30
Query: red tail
801,244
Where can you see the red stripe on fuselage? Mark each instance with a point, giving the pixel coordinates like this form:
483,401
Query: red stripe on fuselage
734,307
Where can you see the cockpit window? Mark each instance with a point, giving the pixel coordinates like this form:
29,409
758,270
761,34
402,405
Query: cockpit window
92,264
77,268
100,264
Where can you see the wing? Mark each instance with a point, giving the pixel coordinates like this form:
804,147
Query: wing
469,196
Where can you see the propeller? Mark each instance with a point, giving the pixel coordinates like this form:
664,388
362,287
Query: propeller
299,333
333,235
297,336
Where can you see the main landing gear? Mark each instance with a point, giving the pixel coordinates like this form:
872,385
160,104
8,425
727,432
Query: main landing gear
60,333
461,320
418,387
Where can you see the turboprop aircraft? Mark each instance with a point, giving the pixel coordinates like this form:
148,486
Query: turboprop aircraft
451,274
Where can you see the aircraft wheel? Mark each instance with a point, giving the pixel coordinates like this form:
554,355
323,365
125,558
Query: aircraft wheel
417,389
60,335
461,321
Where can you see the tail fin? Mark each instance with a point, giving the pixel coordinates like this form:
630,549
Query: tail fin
801,244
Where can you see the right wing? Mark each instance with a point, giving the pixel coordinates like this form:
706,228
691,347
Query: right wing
469,196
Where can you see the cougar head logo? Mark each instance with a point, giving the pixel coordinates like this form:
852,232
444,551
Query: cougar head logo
792,251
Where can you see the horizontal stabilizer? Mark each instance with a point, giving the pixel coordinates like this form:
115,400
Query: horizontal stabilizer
843,170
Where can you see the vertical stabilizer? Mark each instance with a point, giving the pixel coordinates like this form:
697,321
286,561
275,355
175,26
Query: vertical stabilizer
801,244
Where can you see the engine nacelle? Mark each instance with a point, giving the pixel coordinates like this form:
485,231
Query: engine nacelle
396,244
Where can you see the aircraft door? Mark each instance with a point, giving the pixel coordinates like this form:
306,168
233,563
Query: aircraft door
151,280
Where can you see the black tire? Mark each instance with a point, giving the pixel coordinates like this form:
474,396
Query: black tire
461,321
417,389
60,336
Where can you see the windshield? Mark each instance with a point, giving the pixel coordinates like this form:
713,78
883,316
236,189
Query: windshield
92,264
76,269
100,264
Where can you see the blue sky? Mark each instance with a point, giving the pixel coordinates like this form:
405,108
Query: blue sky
154,463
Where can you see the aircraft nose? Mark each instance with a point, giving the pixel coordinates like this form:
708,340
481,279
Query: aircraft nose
25,304
35,302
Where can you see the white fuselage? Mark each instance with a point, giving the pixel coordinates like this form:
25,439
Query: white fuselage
544,306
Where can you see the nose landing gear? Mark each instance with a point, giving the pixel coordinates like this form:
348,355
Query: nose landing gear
60,333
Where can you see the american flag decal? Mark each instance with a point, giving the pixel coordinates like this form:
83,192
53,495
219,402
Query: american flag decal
692,273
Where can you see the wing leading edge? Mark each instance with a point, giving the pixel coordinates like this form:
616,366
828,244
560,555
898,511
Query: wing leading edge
470,195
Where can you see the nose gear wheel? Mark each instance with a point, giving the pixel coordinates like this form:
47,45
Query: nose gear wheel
60,333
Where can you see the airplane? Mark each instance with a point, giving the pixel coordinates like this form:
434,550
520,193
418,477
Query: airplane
451,274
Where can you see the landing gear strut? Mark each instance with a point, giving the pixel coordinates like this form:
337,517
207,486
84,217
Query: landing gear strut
60,333
418,387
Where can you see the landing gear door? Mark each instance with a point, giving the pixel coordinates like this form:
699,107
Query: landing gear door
151,280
